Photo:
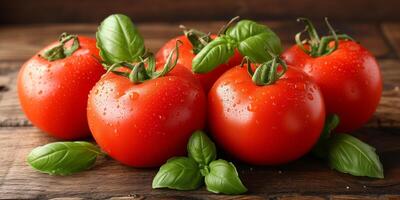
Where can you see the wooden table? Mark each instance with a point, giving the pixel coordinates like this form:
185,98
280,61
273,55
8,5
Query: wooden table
306,178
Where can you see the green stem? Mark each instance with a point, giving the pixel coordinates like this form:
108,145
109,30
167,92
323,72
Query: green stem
227,25
138,71
267,73
318,47
60,51
197,38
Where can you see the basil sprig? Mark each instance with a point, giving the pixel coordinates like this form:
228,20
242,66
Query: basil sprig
216,52
201,148
186,173
255,40
119,40
248,37
346,153
64,158
179,173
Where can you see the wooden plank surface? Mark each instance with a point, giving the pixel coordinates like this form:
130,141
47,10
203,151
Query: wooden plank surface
307,178
45,11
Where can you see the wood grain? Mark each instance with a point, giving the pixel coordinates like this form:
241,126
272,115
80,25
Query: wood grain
392,32
45,11
108,178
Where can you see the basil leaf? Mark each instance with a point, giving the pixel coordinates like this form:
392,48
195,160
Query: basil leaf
321,148
63,158
180,173
216,52
201,148
223,178
255,40
119,40
348,154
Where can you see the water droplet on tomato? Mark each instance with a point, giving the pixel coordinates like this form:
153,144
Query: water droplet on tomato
310,96
133,95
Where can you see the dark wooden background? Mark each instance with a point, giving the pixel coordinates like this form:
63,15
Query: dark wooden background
83,11
28,25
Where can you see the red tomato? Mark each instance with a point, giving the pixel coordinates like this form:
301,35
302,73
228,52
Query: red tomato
266,125
143,125
186,56
349,78
53,94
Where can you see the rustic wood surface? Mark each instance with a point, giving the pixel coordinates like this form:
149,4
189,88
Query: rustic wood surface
306,178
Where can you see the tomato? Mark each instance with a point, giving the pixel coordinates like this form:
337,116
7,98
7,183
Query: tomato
266,125
349,78
144,124
186,56
53,94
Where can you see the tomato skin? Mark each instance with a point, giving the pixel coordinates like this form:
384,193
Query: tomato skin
265,125
349,78
53,95
143,125
186,56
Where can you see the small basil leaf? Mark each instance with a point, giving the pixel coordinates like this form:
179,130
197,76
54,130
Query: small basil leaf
348,154
223,178
179,173
216,52
255,40
321,148
119,40
63,158
201,148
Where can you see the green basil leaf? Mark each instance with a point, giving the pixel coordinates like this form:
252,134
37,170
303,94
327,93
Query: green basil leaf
63,158
119,40
223,178
255,40
348,154
216,52
179,173
201,148
321,148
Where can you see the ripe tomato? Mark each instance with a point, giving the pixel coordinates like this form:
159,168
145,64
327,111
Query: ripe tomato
349,78
144,124
266,125
186,56
53,94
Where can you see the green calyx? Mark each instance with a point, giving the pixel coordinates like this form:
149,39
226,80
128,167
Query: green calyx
318,46
197,38
200,39
138,72
60,51
267,73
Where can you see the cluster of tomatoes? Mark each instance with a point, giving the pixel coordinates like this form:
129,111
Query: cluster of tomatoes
264,113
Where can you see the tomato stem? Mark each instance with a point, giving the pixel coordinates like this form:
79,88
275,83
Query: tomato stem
318,46
267,73
225,27
138,71
60,51
197,38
